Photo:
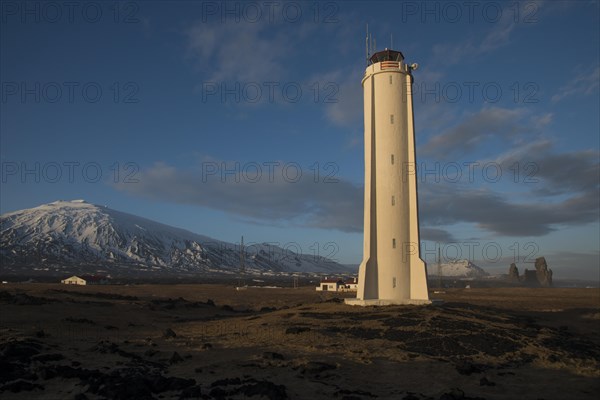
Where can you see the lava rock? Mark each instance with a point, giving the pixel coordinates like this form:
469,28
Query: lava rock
48,357
467,368
191,392
21,386
296,330
175,358
169,333
270,355
266,389
486,382
316,367
513,273
544,275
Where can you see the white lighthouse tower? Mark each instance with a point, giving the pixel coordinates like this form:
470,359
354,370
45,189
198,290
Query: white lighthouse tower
392,271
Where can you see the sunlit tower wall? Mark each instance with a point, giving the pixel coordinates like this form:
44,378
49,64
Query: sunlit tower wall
392,271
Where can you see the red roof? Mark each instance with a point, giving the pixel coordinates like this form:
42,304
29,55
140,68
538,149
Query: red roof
331,280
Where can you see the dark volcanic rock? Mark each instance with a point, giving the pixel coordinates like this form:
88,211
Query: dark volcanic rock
271,355
180,302
543,274
454,394
132,383
192,392
364,333
468,368
48,357
458,394
486,382
265,389
402,321
513,273
20,350
226,382
316,367
489,344
22,299
444,346
169,333
175,358
296,330
398,335
356,394
530,278
335,300
247,388
10,371
79,320
20,386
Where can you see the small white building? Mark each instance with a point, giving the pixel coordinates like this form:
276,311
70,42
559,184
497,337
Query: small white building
350,285
338,285
329,285
85,280
74,280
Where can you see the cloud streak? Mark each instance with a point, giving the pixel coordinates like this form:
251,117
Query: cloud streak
494,213
475,129
278,196
281,196
237,52
583,83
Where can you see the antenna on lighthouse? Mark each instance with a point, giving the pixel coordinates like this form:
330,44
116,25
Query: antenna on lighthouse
367,44
391,41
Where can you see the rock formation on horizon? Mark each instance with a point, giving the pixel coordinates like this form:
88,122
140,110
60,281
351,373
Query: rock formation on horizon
544,275
541,276
513,273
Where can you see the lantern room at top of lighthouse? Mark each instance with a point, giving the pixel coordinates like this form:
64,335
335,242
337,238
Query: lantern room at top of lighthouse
387,61
386,55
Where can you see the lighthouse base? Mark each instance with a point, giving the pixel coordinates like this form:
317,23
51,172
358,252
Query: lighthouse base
388,302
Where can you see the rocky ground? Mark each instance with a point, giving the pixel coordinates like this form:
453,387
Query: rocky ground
213,342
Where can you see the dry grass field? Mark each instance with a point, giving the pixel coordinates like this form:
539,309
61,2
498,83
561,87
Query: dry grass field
213,342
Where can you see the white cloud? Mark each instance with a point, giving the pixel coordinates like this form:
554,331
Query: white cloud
583,83
496,37
239,52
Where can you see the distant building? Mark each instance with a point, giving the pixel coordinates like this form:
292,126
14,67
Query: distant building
74,280
338,285
351,285
85,280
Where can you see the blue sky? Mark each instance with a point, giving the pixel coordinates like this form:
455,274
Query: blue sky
245,118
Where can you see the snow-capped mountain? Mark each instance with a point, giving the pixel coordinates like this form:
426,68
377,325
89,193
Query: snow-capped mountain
76,234
457,269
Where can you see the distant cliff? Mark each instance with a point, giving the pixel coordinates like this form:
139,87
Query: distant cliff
540,277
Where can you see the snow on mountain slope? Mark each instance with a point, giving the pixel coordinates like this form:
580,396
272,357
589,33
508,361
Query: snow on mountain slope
76,233
457,268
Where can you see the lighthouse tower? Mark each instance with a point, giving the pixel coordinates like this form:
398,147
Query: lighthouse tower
392,271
